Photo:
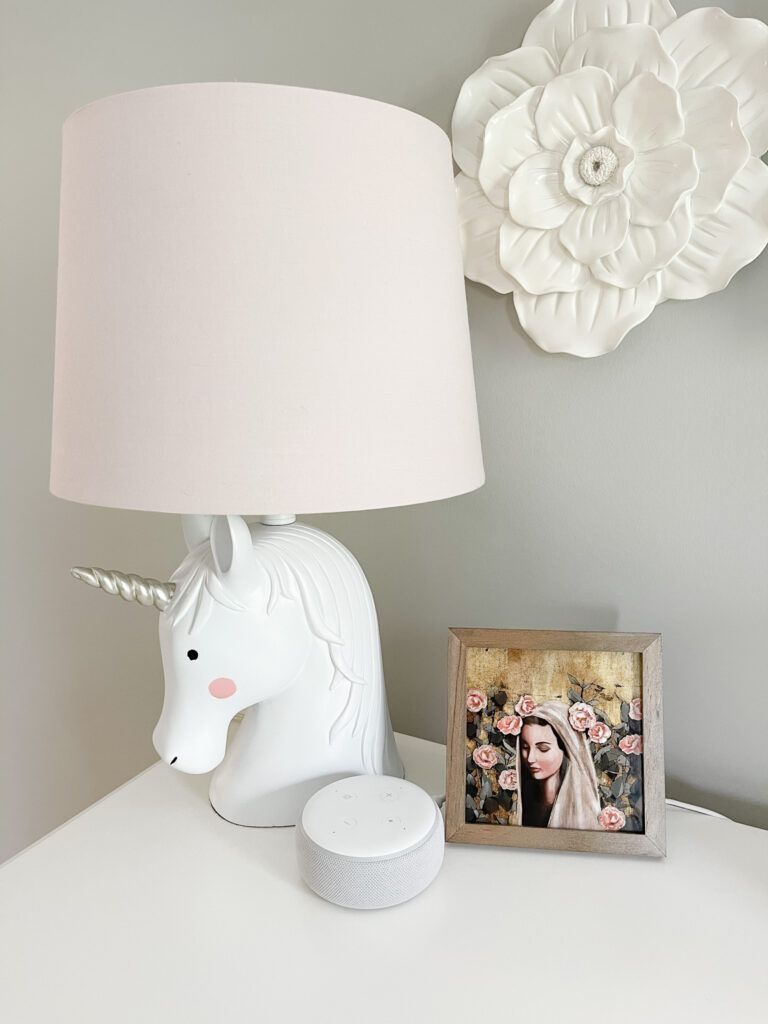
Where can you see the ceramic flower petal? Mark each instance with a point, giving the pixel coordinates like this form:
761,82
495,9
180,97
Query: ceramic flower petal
645,250
712,48
712,128
479,224
575,104
494,85
590,322
556,27
648,113
536,195
510,137
593,231
723,242
538,261
659,181
623,52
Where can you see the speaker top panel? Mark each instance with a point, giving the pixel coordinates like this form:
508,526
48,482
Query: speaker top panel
369,816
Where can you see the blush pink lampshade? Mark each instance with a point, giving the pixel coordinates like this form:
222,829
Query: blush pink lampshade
261,305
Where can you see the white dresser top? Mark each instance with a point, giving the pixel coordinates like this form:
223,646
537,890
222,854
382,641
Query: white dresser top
148,907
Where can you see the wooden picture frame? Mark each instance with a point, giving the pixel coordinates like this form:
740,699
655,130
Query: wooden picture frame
504,654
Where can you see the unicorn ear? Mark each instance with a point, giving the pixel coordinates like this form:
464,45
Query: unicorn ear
196,529
231,546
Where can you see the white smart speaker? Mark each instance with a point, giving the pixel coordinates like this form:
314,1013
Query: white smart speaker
370,841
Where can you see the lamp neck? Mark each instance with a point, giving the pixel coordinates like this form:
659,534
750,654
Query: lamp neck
278,520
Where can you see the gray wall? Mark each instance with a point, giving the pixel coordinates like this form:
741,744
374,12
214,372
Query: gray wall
627,492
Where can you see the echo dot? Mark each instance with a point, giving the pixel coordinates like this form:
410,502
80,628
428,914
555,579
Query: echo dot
369,841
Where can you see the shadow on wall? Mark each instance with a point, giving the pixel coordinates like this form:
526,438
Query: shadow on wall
746,811
589,618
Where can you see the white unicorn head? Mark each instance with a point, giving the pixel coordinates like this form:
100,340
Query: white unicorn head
275,616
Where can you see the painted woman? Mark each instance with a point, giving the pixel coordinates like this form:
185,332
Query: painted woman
557,785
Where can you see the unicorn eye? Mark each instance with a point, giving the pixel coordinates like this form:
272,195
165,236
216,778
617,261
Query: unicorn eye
192,655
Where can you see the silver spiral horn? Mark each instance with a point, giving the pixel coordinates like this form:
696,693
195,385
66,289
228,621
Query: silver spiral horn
129,586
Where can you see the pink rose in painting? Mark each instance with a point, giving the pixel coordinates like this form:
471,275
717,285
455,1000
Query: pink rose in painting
631,744
476,701
510,725
636,709
526,705
581,716
508,779
612,819
599,732
485,756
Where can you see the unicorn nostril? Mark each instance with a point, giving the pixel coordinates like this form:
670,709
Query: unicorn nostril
174,760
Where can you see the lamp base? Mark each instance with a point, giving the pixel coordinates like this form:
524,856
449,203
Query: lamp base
278,618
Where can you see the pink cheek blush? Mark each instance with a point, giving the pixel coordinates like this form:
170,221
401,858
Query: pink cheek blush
222,687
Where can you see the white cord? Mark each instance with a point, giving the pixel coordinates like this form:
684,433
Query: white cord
695,807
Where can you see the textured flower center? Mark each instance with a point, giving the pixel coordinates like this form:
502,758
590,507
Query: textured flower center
597,165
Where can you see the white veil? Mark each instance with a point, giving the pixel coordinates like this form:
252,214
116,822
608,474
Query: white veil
577,804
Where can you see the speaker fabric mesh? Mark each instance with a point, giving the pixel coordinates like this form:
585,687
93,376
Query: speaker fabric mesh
369,883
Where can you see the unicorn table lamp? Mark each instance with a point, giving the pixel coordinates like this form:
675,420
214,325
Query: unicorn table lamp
270,280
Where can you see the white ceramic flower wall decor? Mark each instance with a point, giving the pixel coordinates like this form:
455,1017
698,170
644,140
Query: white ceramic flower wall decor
613,162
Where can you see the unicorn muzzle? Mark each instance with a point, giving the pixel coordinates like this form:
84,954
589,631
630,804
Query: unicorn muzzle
192,758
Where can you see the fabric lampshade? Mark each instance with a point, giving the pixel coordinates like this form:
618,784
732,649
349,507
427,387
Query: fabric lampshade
261,305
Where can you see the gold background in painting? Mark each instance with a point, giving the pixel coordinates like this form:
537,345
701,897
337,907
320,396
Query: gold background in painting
544,674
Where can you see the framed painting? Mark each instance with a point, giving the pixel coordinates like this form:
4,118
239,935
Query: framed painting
555,740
